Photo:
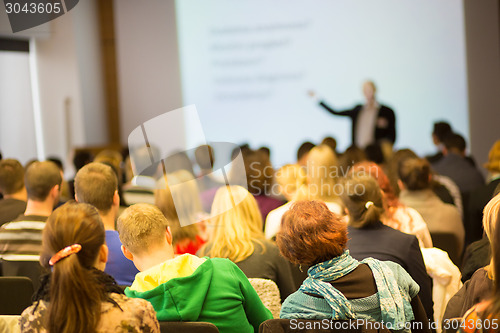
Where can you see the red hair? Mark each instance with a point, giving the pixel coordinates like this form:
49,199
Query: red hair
310,233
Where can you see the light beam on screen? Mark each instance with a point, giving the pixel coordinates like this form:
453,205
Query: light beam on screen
247,66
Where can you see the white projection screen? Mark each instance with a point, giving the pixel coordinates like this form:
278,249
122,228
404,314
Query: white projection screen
247,66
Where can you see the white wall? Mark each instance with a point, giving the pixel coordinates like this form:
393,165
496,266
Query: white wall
17,130
147,60
70,79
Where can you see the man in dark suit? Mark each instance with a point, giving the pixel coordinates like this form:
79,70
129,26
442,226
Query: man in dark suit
371,122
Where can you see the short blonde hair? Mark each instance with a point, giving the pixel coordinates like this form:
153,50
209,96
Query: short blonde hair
490,217
141,227
236,227
289,178
322,175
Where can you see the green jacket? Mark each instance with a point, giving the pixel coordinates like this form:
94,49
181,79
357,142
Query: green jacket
217,292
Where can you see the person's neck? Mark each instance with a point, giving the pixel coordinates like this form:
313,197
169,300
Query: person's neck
39,208
108,219
371,102
21,195
152,258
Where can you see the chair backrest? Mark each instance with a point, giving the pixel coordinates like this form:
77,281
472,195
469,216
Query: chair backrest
268,293
187,327
324,326
30,269
448,242
15,294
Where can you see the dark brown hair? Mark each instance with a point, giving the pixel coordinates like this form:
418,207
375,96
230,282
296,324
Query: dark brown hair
259,172
75,294
363,199
40,178
310,233
11,176
96,184
415,173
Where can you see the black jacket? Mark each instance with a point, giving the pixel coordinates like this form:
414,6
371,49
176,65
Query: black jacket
384,130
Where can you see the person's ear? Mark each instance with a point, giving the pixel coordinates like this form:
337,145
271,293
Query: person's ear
103,253
127,253
76,198
401,185
55,191
168,236
116,199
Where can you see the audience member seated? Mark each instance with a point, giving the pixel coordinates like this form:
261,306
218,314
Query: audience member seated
142,185
396,215
80,159
259,179
484,317
351,156
415,182
330,142
369,237
480,197
64,185
115,160
180,202
480,285
442,186
237,235
440,130
205,158
338,286
303,152
77,296
289,178
12,187
186,288
42,181
321,184
96,184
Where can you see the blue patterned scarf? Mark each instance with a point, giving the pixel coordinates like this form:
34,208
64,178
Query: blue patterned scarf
395,308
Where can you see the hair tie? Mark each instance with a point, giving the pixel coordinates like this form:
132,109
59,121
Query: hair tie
368,204
67,251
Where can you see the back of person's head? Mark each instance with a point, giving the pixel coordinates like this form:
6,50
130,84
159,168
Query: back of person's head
440,130
40,178
310,233
110,157
259,172
96,184
351,156
491,215
178,161
236,223
179,201
140,158
81,158
493,164
290,178
363,199
142,228
304,149
330,142
57,161
375,171
415,174
11,176
455,142
76,295
374,153
266,151
322,174
393,167
204,156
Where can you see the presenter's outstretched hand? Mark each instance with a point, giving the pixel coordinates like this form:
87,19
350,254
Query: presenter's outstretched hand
311,93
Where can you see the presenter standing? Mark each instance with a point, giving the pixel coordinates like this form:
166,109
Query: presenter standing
371,122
